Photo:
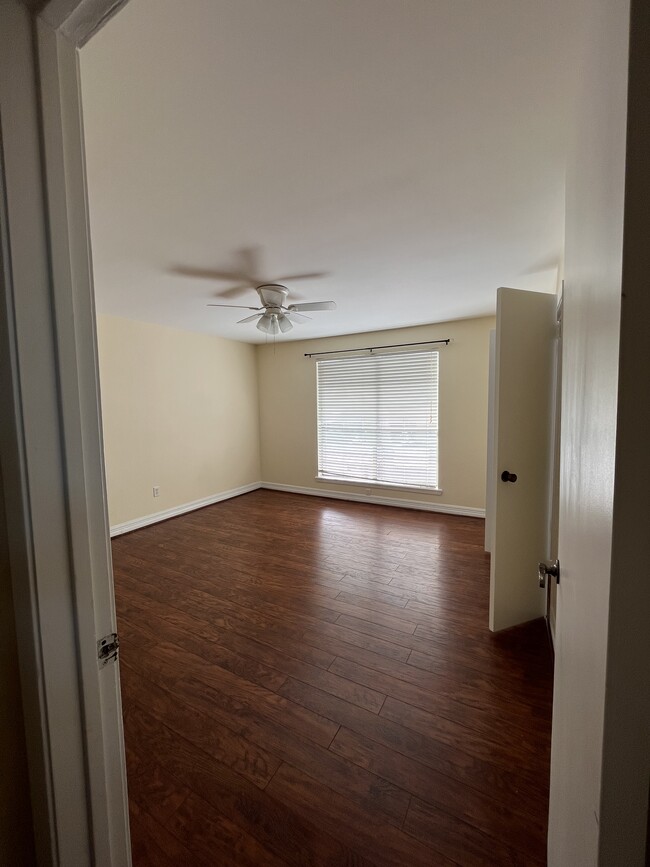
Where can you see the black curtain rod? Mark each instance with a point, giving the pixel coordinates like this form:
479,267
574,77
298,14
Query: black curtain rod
371,348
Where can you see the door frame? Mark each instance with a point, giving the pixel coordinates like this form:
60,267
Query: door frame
556,433
51,447
52,464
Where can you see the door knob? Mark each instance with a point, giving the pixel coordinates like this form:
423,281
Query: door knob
508,477
546,569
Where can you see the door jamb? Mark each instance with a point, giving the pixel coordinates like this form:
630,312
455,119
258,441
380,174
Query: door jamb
51,442
554,506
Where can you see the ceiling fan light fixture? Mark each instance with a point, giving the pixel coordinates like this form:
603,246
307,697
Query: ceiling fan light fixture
269,324
285,324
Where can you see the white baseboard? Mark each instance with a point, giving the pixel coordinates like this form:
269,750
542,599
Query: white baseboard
128,526
136,523
378,500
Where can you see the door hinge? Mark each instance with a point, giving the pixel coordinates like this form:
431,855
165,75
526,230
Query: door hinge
107,649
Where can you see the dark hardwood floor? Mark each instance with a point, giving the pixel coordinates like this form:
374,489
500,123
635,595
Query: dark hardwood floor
312,682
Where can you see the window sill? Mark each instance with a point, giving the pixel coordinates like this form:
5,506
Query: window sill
437,492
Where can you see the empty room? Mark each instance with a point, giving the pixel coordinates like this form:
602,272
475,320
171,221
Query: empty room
299,215
322,496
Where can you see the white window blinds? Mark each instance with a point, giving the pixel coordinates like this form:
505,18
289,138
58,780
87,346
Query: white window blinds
378,419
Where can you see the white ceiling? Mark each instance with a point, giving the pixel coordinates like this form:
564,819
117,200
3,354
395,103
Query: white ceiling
411,149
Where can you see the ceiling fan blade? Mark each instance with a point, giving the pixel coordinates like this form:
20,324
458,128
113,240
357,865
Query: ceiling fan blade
249,318
242,281
284,324
297,317
235,306
235,291
243,278
209,274
250,258
247,275
289,277
313,305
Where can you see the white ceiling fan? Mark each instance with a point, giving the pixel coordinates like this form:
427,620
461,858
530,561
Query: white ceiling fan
275,315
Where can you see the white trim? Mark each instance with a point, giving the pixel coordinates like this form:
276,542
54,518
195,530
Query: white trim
467,511
175,511
39,492
551,631
364,483
87,517
79,20
50,445
156,517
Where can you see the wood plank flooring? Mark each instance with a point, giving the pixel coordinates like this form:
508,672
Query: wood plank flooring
311,682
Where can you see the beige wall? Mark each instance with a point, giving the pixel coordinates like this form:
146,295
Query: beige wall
180,410
196,416
288,409
16,834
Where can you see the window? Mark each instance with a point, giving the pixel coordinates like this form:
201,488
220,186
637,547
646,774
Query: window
378,419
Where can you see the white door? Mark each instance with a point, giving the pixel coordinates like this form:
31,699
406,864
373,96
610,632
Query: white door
490,482
522,450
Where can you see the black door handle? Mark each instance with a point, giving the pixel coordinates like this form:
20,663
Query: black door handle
508,477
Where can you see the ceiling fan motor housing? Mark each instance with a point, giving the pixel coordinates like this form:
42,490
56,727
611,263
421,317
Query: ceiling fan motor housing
273,295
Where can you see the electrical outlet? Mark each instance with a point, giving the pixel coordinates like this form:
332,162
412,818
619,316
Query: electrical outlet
156,491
